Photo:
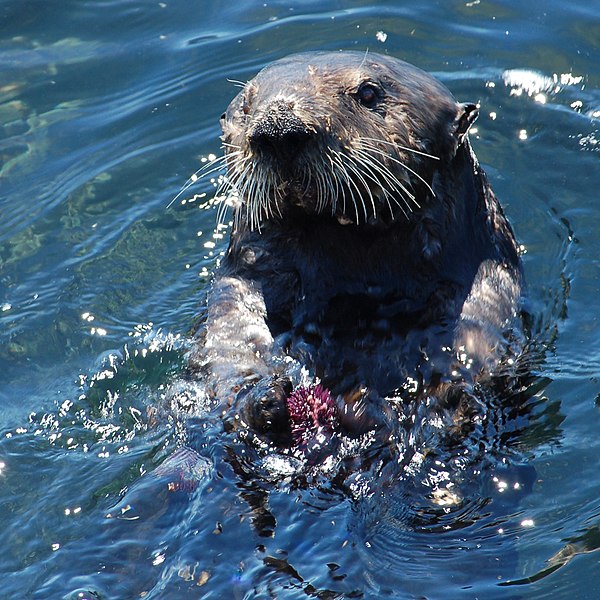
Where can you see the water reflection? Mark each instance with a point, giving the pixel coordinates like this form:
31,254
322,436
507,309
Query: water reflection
98,130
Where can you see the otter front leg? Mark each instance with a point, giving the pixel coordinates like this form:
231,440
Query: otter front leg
234,346
491,309
234,358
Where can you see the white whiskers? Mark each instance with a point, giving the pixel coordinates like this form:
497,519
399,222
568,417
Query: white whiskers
361,178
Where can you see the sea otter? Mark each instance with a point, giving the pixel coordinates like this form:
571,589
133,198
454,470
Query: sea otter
367,246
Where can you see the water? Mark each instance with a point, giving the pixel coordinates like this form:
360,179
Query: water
105,109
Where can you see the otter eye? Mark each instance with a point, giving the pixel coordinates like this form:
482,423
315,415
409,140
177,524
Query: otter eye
368,95
223,116
245,107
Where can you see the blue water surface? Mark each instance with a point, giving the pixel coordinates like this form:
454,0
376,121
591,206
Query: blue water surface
106,109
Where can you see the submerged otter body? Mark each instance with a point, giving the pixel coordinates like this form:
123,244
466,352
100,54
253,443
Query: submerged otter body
367,245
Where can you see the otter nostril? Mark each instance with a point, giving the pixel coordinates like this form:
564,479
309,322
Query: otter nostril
280,133
281,142
266,134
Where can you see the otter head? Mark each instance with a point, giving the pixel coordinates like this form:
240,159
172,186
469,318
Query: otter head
352,136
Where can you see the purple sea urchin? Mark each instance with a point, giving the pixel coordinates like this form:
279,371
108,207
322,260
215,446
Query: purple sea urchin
313,413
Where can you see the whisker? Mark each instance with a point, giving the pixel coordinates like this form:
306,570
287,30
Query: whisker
330,189
351,184
277,197
266,207
404,166
348,180
321,188
237,83
338,187
221,211
398,146
389,177
252,198
357,172
384,169
326,188
343,177
375,173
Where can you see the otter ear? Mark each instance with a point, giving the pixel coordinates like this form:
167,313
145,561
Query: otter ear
465,117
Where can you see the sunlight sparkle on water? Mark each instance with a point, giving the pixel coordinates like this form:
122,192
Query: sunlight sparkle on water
527,523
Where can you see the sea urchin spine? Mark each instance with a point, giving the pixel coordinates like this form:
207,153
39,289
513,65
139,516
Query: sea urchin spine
313,414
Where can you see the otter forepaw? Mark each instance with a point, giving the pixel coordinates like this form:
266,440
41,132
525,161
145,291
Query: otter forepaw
263,408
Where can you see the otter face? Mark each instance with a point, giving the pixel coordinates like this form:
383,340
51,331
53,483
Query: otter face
358,137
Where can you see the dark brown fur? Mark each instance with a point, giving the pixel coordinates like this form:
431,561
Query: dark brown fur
367,243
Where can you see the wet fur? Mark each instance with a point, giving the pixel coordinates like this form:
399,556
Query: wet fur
377,280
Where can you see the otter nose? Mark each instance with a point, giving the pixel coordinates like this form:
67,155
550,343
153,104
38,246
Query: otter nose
280,133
